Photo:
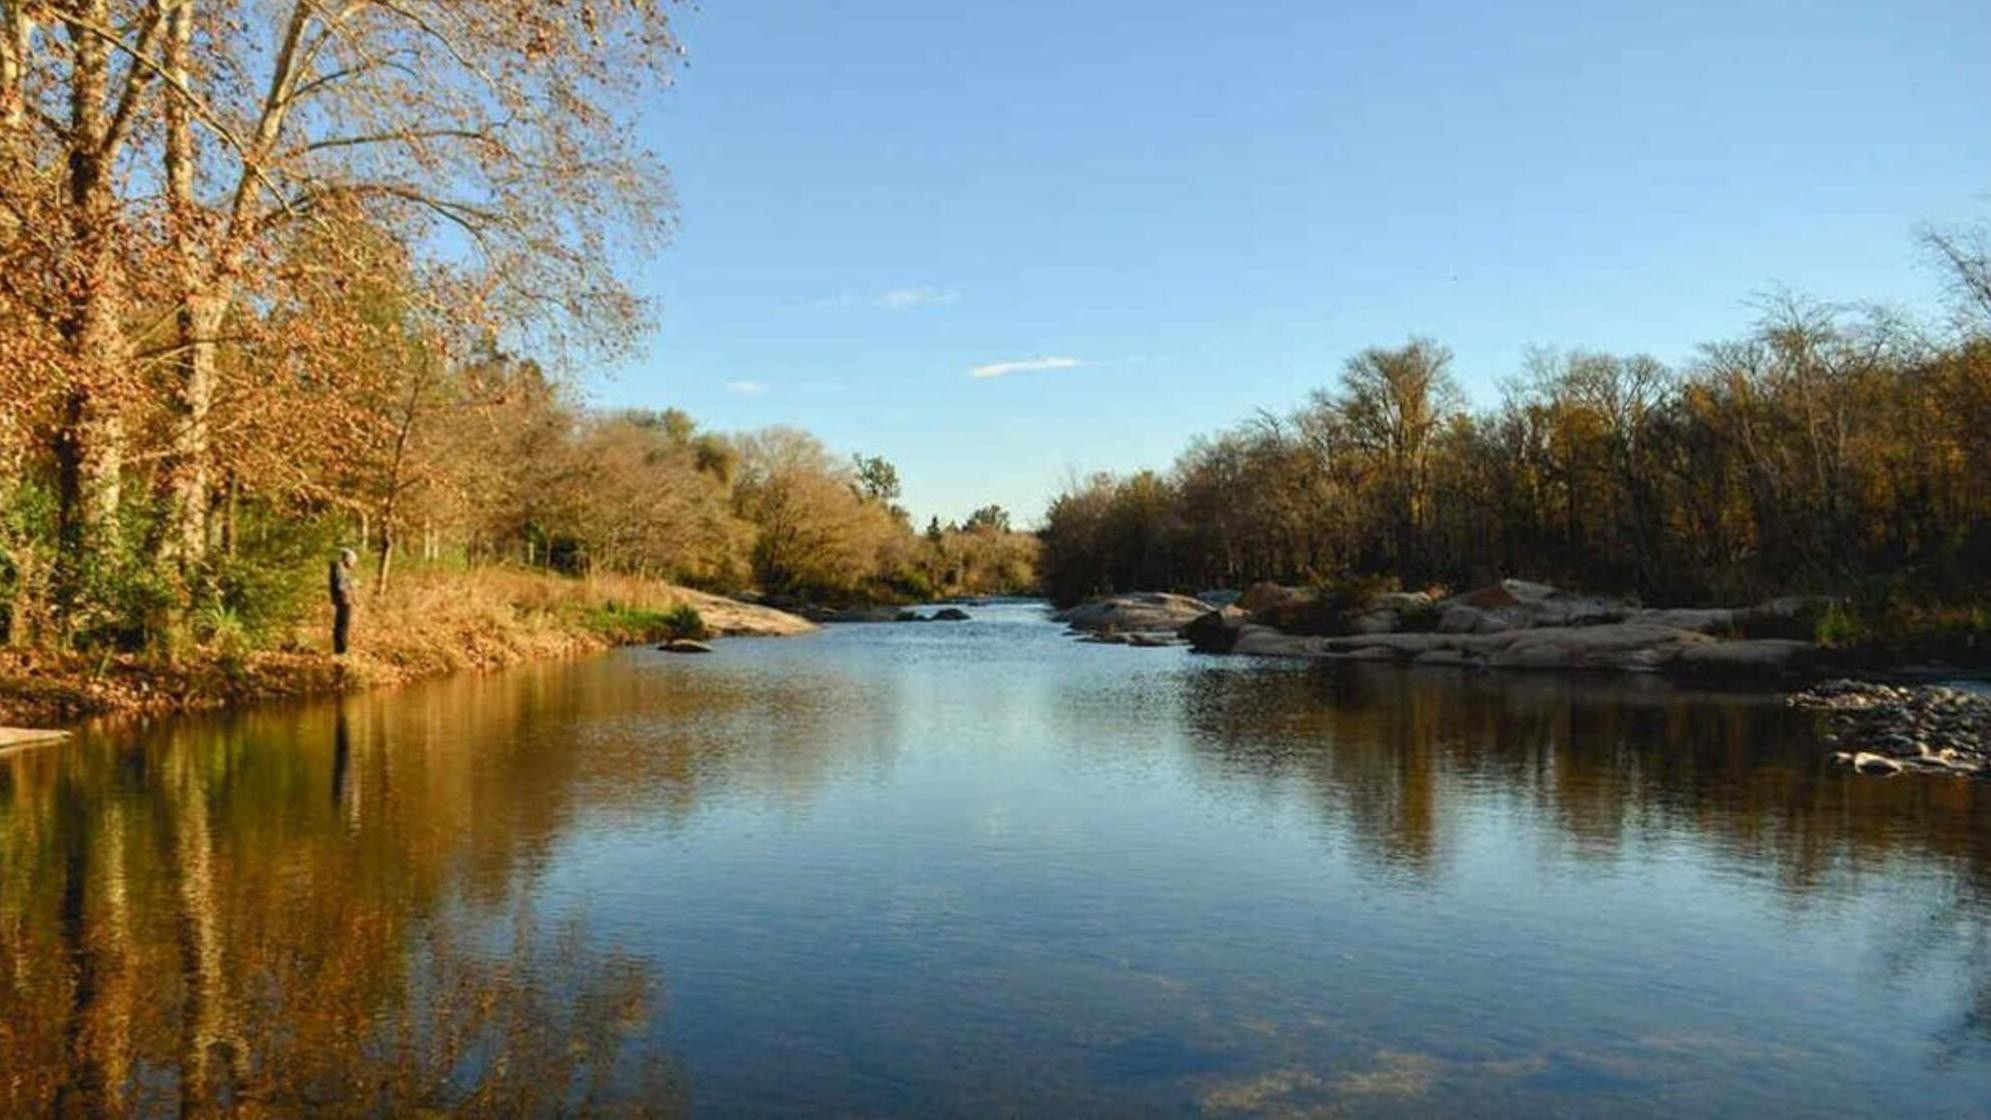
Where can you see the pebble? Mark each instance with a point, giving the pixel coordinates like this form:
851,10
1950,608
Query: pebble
1890,728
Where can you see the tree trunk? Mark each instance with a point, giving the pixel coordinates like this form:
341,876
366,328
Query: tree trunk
204,298
386,561
189,474
89,443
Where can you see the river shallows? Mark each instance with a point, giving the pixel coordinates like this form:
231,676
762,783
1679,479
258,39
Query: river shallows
977,868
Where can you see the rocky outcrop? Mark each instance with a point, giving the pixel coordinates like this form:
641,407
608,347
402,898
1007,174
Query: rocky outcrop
684,645
949,614
737,618
1513,625
1892,729
1142,612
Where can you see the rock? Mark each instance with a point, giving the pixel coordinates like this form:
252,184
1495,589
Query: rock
910,616
1402,601
1217,631
1151,641
1373,622
684,645
1266,596
1875,764
1929,730
1221,596
1402,647
1704,620
1745,661
1451,657
1506,593
950,614
1632,647
1514,604
1254,640
1460,619
731,617
1140,611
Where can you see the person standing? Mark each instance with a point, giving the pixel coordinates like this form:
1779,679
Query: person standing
345,589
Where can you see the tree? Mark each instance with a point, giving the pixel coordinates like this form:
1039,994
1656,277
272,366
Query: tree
489,138
1392,405
877,479
988,519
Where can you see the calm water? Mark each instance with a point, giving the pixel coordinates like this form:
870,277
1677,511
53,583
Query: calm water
980,869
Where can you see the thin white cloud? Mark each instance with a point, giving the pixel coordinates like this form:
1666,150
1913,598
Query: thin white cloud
1026,365
899,299
747,388
893,299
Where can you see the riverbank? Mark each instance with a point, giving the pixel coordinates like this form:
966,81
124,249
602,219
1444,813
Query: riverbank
1515,624
429,624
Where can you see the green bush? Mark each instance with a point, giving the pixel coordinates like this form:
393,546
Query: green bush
274,576
1839,627
684,621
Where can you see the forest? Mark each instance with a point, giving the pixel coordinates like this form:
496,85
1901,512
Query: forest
1833,451
280,279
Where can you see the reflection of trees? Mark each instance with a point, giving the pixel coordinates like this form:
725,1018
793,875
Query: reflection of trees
1397,757
309,909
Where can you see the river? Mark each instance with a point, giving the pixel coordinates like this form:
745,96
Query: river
980,869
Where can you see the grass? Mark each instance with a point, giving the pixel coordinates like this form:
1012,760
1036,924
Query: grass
430,623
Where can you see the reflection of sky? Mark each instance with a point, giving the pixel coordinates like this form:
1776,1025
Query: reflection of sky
974,867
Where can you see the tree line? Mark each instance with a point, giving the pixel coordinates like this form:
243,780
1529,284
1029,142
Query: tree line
1831,449
269,277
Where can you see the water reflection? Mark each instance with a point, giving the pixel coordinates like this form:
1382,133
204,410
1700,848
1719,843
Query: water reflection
314,909
1395,753
981,869
1610,770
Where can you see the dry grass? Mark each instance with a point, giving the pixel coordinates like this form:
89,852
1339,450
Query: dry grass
429,623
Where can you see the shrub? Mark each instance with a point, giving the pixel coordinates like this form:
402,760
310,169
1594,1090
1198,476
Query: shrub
1330,607
272,578
1838,627
684,621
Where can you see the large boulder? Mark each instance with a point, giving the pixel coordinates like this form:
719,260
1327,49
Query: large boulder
1217,631
1150,611
950,614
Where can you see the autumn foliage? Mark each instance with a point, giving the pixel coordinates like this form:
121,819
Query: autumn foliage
276,278
1833,450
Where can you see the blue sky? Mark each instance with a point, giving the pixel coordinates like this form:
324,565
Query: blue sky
1184,213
